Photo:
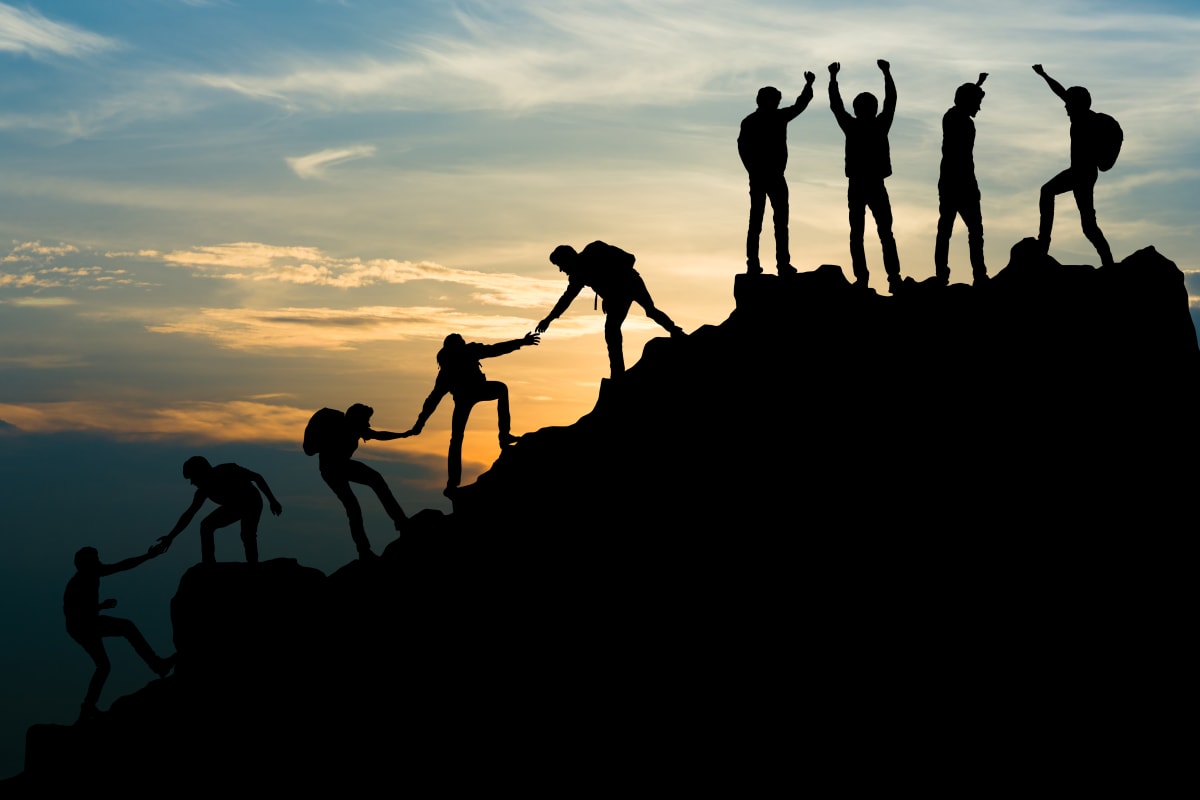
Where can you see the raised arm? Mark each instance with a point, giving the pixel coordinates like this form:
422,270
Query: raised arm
564,302
835,96
261,483
1054,85
806,96
889,91
185,519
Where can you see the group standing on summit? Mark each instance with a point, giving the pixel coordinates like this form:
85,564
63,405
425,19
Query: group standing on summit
762,145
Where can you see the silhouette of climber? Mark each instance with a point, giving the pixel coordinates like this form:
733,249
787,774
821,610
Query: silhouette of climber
1080,177
86,625
460,375
762,145
609,271
868,162
232,488
338,470
958,191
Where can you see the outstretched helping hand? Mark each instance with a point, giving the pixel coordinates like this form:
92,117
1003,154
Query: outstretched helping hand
531,339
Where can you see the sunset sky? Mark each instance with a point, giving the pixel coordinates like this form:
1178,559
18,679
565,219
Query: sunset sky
219,216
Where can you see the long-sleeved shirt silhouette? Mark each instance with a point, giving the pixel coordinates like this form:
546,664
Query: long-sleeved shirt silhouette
868,154
762,142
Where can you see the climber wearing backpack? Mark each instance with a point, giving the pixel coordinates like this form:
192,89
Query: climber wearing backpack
1095,143
335,436
609,271
461,376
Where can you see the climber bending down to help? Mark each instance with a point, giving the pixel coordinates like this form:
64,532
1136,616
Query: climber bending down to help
232,488
609,271
461,376
86,625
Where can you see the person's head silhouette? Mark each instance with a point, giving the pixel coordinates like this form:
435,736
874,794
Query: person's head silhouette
451,346
86,557
769,97
866,106
195,468
359,415
564,257
1078,100
968,97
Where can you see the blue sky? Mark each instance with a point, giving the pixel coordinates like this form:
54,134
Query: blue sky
216,217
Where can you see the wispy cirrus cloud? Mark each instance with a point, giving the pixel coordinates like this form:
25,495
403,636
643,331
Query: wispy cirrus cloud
255,261
314,165
28,32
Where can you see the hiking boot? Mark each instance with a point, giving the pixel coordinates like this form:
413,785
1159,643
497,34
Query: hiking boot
87,713
505,440
786,269
753,267
678,333
164,666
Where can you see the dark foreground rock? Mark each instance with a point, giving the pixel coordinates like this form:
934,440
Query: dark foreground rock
877,533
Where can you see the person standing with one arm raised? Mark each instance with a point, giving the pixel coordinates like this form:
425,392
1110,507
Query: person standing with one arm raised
958,190
1080,177
762,145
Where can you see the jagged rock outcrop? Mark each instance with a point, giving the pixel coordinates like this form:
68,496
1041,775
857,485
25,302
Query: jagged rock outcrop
959,506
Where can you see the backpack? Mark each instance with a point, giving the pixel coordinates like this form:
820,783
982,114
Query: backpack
607,268
321,428
1106,136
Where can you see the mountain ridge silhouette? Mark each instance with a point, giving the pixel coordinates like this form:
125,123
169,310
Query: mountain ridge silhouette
958,508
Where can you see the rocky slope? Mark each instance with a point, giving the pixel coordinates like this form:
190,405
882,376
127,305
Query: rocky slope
940,521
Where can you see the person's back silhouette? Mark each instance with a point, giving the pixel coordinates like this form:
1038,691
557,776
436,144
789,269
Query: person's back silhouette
868,162
461,376
958,191
762,145
87,626
1080,177
232,488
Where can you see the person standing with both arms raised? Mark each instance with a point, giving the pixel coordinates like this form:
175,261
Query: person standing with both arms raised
868,162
